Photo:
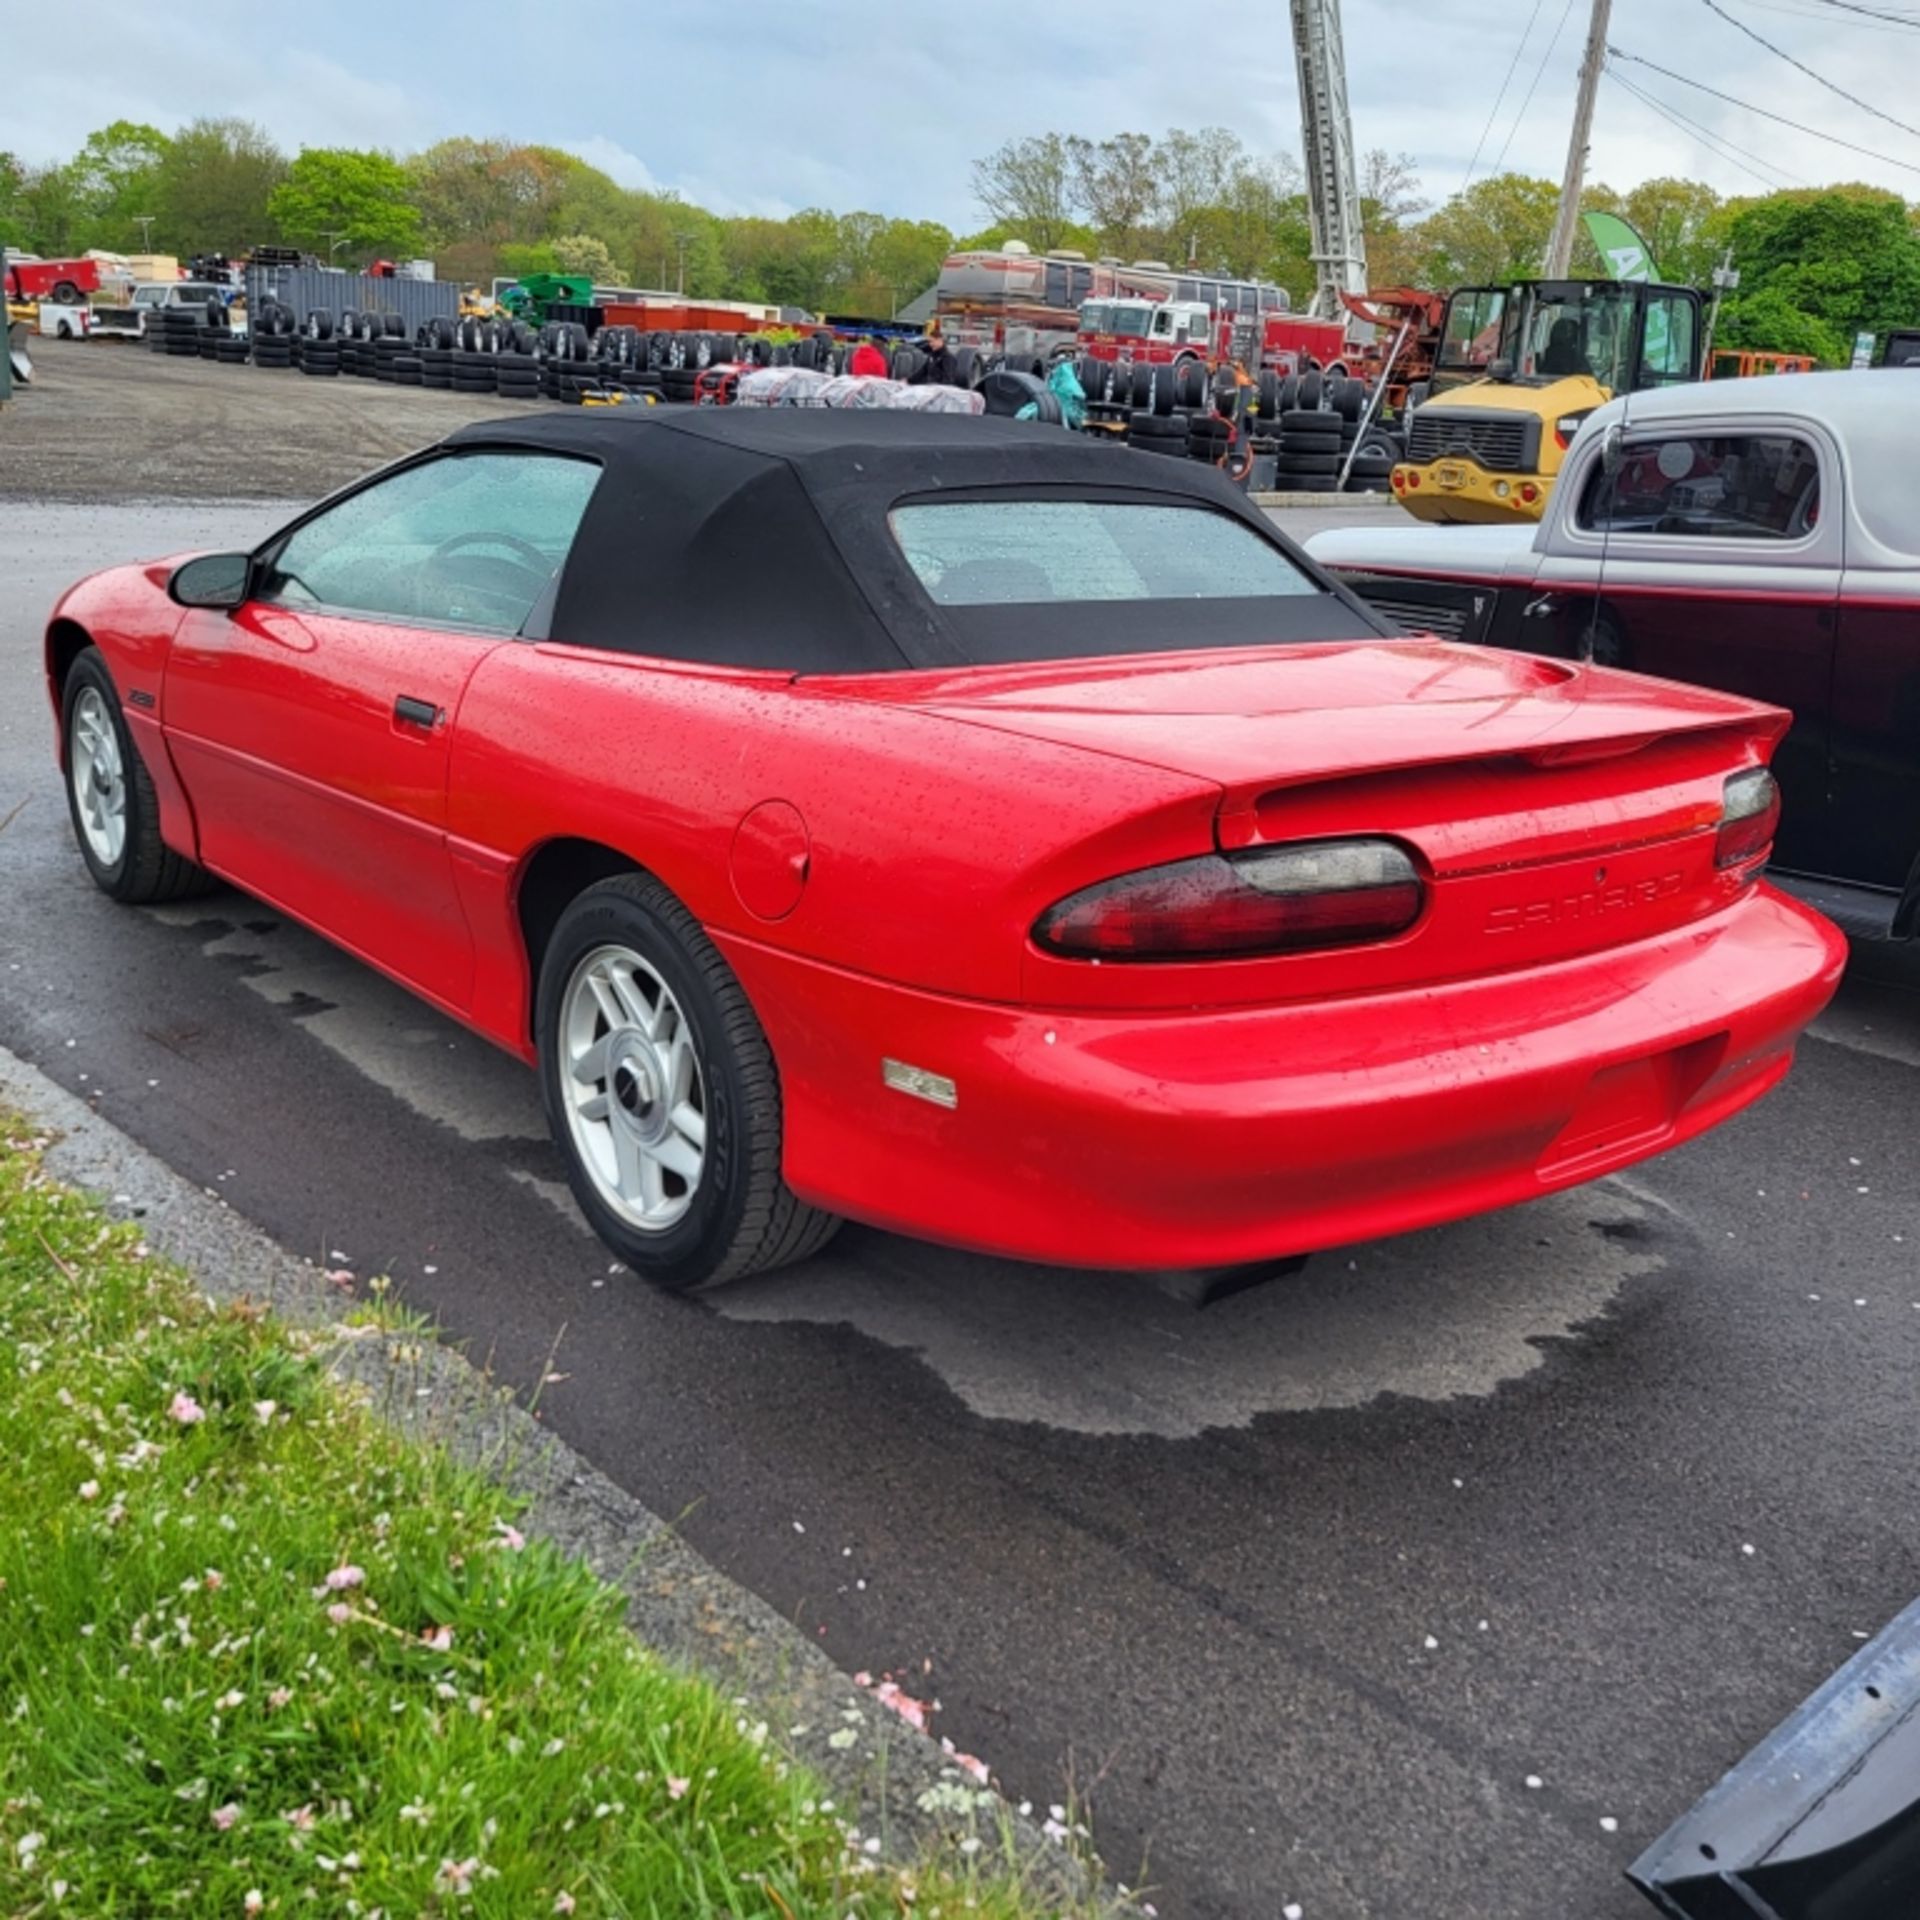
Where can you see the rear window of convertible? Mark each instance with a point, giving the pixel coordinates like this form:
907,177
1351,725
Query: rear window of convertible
1036,553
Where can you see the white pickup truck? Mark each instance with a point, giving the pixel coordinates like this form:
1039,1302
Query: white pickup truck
127,319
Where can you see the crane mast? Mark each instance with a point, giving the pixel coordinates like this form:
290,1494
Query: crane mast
1326,132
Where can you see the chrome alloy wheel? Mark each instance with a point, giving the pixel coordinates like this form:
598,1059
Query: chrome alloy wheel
636,1099
99,777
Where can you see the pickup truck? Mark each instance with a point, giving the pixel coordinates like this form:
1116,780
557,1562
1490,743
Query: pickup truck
128,319
65,282
1755,536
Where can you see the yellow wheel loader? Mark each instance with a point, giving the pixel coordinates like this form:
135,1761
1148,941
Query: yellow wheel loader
1519,367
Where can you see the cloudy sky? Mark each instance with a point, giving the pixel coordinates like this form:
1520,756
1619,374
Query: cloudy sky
760,107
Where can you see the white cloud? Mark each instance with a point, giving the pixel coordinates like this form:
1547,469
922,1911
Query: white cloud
833,104
623,168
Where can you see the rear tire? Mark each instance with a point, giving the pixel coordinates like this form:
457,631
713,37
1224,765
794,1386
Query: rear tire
647,1042
110,796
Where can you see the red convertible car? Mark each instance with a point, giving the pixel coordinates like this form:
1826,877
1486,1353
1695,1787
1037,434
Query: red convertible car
976,831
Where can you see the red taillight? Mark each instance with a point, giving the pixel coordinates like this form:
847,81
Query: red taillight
1319,893
1399,481
1529,493
1748,819
1413,476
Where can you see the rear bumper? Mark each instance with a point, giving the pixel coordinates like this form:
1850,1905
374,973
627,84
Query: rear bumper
1199,1140
1477,500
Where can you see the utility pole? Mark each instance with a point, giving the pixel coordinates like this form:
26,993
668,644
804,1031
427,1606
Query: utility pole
144,221
1560,247
1726,277
682,241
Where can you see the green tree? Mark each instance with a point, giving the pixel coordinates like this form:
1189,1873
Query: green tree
1116,183
1072,233
583,253
341,197
1497,230
52,211
1845,258
1025,189
1768,321
114,177
1193,173
1390,203
211,189
906,259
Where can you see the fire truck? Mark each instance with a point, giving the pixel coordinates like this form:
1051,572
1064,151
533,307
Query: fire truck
1009,299
1163,332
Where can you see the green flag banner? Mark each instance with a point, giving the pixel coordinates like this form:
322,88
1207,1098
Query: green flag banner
1620,247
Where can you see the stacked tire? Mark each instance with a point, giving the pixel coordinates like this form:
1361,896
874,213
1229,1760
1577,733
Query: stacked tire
433,348
471,370
177,332
1310,439
1209,437
272,328
1153,432
317,347
516,376
388,351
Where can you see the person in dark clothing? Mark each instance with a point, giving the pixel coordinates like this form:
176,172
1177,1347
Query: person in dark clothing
868,360
1562,354
939,371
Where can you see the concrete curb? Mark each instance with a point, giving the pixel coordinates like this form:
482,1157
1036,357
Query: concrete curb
893,1781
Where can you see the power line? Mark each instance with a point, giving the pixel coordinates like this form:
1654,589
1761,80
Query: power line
1746,106
1760,39
1493,112
1891,23
1765,171
1898,18
1565,12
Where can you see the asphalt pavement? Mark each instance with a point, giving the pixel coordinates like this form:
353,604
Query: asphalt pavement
1432,1581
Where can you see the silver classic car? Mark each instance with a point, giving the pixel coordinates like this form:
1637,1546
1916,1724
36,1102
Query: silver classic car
1761,536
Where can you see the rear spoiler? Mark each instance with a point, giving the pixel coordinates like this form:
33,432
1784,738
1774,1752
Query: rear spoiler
1821,1821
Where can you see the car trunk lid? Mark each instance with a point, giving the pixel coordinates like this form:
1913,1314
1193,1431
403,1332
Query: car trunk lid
1553,808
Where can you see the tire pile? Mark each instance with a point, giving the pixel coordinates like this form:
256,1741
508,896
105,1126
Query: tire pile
1315,425
1308,424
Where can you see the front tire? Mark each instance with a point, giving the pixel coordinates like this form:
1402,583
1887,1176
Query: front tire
662,1094
110,796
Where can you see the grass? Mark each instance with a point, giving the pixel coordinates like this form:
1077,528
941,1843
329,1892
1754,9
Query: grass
260,1654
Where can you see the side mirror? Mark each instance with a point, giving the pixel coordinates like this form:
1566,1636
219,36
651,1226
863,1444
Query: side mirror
214,580
1501,370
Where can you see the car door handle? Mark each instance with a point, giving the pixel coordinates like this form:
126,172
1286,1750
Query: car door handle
1539,609
415,713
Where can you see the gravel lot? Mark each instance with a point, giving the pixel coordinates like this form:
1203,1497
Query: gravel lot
109,421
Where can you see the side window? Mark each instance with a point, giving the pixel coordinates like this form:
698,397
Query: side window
1270,299
1186,290
1082,281
467,540
1672,353
1757,486
1057,286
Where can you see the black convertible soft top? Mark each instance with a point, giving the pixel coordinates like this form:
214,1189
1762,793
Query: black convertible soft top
758,537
